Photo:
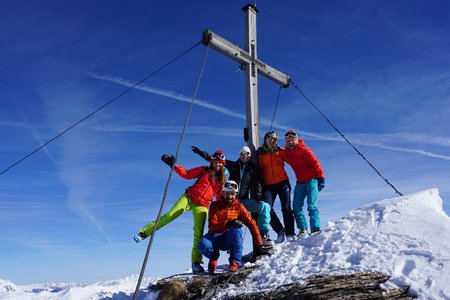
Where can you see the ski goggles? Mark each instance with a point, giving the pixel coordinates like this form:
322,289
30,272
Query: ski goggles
231,186
218,155
291,134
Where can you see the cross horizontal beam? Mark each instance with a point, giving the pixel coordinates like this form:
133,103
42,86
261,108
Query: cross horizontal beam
243,57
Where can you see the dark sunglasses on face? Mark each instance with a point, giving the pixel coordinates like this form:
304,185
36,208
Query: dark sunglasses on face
218,156
245,153
272,139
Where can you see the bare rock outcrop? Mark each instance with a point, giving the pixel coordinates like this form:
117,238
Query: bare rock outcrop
364,285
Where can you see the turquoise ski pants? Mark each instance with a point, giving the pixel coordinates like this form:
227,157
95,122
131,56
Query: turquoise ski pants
263,210
308,191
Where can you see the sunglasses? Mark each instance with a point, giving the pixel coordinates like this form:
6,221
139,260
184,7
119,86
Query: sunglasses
272,139
245,153
217,155
291,135
232,185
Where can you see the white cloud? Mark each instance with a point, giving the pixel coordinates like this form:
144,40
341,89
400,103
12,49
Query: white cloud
359,139
372,140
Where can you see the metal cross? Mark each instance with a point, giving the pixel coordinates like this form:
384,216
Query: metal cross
248,58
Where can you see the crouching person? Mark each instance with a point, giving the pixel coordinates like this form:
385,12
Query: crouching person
225,233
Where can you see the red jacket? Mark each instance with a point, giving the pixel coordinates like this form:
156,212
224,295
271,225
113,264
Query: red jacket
304,163
203,190
220,213
271,165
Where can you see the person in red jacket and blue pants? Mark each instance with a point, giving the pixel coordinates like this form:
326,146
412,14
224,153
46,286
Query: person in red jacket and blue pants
310,180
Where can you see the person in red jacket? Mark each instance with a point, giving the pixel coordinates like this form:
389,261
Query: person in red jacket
196,198
310,180
225,220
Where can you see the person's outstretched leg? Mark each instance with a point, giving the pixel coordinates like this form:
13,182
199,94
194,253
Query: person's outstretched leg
180,207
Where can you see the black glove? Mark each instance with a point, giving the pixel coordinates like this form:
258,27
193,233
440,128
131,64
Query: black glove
168,159
320,183
203,154
260,251
234,223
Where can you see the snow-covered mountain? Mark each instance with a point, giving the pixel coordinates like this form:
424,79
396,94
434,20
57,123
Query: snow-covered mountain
406,237
112,289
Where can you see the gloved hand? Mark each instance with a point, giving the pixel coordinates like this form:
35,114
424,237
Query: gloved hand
320,183
234,223
196,150
203,154
168,159
260,251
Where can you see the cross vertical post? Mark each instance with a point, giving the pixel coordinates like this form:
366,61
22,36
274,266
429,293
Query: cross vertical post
251,76
253,66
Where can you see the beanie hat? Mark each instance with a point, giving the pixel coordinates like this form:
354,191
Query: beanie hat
245,149
218,156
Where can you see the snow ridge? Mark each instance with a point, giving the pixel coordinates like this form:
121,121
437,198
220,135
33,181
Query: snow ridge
406,237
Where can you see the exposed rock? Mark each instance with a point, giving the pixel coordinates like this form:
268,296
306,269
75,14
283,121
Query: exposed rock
364,285
351,286
173,290
200,286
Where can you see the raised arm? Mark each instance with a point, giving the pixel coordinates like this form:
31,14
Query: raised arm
203,154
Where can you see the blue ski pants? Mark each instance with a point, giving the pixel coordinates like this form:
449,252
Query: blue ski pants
308,191
231,240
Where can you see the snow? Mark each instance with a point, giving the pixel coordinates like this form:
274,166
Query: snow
122,289
405,237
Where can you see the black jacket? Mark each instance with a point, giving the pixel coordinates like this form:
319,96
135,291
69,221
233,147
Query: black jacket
249,182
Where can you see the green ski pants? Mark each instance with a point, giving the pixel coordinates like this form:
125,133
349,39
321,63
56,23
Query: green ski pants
183,205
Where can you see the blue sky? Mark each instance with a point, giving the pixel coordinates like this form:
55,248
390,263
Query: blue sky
377,69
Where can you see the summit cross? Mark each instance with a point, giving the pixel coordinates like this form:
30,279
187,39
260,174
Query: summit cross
248,58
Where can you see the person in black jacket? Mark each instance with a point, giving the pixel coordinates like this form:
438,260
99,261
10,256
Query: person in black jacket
246,174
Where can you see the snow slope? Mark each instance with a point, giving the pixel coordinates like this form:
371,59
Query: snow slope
407,237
